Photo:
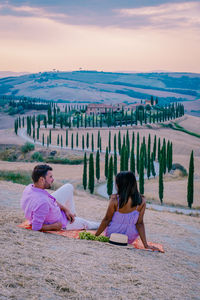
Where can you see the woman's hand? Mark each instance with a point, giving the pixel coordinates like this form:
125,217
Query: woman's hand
153,248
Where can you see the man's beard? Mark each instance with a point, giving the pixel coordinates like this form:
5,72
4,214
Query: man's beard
47,185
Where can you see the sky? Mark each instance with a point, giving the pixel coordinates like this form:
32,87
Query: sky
103,35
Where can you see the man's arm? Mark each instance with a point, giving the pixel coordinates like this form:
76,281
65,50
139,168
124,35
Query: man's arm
69,215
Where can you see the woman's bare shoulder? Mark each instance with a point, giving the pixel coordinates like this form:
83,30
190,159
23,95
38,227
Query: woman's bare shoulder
143,204
113,199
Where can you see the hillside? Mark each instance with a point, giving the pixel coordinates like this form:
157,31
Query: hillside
93,86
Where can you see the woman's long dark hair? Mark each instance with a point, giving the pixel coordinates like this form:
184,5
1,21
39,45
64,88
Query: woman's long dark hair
127,187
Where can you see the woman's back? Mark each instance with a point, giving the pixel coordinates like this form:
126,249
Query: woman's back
124,220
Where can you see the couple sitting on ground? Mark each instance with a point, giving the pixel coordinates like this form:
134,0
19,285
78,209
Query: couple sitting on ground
56,211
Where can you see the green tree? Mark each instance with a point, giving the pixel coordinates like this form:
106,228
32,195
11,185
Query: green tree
161,186
154,147
132,160
141,170
109,142
72,141
87,140
127,143
152,165
115,163
61,141
97,165
43,140
119,142
58,140
106,163
138,153
126,159
159,149
66,138
91,174
85,172
83,142
190,184
50,136
110,177
77,140
115,143
92,143
38,133
149,157
164,156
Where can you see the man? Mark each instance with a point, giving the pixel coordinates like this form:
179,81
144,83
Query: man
54,211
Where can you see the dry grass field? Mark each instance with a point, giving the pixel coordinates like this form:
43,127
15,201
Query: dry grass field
35,265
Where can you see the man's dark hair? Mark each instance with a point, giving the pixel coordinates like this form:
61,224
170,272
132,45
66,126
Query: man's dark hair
40,171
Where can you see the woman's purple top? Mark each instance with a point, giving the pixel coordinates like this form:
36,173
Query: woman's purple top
41,208
124,223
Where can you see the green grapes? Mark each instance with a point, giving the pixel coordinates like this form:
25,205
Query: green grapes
89,236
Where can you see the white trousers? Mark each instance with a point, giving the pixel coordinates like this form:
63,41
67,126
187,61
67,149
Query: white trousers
64,195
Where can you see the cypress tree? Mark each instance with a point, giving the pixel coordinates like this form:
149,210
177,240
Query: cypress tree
161,186
122,159
159,149
50,136
54,117
115,143
72,141
45,122
144,152
100,144
34,134
149,157
152,165
119,142
85,121
38,133
47,141
77,140
23,122
109,142
126,159
43,140
87,140
164,156
92,146
61,141
97,165
154,147
85,172
138,153
83,142
190,184
91,174
115,163
141,170
66,138
168,155
58,140
132,160
20,122
127,143
110,177
133,142
106,163
98,139
49,114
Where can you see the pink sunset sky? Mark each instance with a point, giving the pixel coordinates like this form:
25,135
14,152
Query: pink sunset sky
120,35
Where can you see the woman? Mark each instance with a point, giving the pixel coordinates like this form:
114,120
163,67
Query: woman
126,211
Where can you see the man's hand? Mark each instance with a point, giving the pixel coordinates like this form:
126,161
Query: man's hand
69,215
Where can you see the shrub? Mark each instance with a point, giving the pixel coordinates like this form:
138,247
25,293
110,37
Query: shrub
179,167
27,147
37,156
16,177
64,161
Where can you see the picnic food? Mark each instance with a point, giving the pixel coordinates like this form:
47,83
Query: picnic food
84,235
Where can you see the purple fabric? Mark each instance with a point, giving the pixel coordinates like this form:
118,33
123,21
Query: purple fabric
125,224
41,208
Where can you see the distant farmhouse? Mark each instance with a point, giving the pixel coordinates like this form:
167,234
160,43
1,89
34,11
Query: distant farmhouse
95,108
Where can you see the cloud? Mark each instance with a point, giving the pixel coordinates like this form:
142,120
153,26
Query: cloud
165,15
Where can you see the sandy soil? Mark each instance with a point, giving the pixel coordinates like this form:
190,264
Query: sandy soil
35,265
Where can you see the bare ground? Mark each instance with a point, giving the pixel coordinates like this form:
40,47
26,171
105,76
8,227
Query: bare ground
36,265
